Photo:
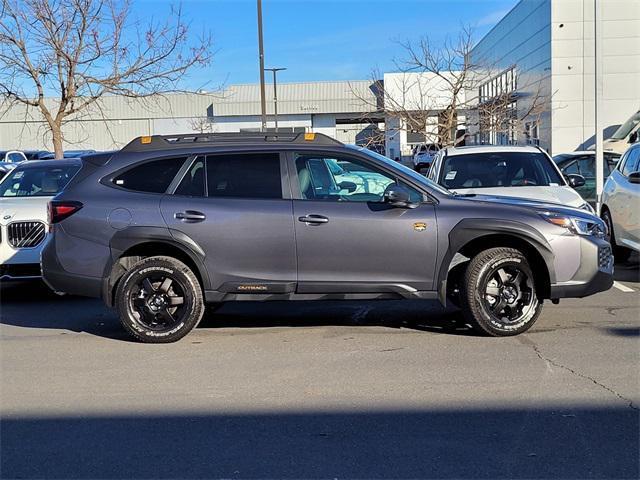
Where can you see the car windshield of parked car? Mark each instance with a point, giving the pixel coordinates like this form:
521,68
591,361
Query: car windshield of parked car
498,169
37,181
406,170
624,129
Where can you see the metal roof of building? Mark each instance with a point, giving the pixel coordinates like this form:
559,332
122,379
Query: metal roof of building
235,100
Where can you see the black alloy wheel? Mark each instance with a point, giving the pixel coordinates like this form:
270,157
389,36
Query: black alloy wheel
509,294
158,301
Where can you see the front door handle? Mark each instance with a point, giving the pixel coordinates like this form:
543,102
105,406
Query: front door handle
190,216
313,219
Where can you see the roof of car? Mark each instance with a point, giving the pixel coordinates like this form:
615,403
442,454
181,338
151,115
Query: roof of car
451,151
164,142
65,162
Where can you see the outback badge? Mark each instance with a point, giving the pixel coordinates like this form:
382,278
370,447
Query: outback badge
420,226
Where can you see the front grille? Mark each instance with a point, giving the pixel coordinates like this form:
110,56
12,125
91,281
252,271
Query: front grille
25,234
605,258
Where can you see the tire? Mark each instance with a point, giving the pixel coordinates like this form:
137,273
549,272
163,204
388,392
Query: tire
498,295
159,300
620,254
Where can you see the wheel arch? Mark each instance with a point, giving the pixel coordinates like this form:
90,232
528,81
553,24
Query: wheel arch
471,236
141,242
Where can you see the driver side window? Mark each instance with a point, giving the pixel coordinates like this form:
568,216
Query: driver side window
343,179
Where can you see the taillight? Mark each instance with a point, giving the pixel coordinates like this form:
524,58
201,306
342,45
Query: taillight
61,209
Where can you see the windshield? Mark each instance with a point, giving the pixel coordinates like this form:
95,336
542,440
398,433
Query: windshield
37,181
421,179
625,129
498,169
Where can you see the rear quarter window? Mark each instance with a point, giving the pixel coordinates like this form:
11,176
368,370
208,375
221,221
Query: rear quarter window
153,176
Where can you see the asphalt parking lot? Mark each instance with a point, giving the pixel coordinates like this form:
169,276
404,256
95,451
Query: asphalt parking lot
371,390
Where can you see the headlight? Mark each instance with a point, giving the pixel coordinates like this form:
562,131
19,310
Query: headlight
577,225
588,208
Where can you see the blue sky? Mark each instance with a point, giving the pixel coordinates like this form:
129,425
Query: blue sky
322,39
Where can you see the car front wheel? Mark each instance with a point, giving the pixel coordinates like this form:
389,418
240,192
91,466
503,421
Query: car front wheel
498,295
159,300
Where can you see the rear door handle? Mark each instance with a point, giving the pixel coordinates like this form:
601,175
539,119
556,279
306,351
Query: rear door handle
313,219
190,216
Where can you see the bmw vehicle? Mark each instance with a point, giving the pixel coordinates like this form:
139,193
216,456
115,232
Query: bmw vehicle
24,195
510,171
621,204
170,223
584,163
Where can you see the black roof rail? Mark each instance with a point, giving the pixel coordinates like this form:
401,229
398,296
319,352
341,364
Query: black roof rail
159,142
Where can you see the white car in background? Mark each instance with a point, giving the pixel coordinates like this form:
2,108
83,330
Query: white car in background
24,195
621,205
423,156
506,171
9,159
628,133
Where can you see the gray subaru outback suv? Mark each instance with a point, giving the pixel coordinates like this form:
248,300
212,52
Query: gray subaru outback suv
170,223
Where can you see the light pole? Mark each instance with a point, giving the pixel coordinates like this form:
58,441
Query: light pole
275,94
597,25
263,102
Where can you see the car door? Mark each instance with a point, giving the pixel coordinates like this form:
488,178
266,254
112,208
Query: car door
623,200
237,208
587,168
347,239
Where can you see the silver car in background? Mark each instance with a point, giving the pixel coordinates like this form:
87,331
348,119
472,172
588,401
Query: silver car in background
621,204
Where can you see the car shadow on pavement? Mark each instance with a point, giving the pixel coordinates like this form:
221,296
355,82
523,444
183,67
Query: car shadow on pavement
31,304
628,271
568,441
47,310
423,315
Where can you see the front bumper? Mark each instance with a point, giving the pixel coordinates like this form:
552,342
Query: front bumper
594,275
18,263
20,271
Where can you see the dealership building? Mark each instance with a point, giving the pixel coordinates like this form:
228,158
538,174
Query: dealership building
541,49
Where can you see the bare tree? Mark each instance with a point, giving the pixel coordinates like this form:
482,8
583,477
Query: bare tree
436,92
201,124
79,51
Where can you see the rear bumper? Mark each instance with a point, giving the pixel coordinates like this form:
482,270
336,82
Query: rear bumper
59,280
594,275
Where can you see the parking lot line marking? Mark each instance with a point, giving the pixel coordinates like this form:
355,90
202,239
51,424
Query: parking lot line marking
622,287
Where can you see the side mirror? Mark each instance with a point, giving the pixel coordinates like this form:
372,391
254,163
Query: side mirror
634,177
398,196
575,180
633,138
348,186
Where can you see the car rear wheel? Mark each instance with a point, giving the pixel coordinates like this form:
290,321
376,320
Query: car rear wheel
620,254
159,300
498,295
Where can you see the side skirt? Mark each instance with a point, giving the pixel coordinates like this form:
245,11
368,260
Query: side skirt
213,296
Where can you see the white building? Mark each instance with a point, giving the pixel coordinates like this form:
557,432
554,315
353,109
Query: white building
549,46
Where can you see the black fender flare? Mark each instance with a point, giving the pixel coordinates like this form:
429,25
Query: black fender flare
131,236
470,229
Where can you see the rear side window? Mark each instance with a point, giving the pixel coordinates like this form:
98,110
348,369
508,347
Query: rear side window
151,177
255,175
